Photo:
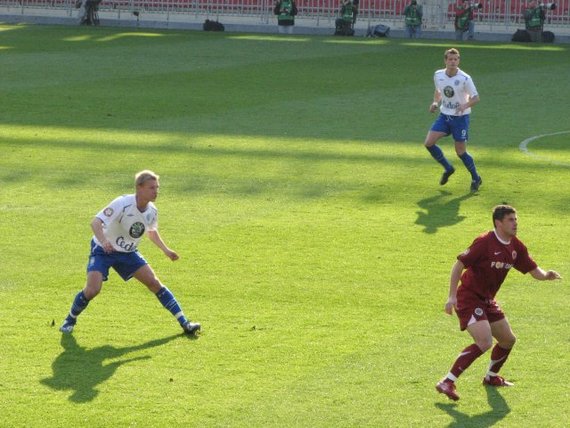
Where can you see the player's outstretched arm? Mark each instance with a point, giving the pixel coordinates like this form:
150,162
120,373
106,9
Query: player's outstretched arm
543,275
154,236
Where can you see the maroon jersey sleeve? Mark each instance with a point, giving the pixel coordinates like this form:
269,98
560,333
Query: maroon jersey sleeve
476,251
524,263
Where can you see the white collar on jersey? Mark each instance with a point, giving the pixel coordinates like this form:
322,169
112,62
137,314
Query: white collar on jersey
499,238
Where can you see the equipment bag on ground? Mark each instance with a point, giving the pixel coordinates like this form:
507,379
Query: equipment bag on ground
380,30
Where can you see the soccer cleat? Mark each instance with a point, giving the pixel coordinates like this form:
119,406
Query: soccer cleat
67,326
447,388
475,184
445,176
191,327
496,381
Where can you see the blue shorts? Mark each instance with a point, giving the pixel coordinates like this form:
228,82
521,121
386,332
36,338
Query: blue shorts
125,264
458,126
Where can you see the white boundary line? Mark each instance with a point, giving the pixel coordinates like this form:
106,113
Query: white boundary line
523,146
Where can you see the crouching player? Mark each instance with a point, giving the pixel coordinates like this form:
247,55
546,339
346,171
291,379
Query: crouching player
482,269
118,229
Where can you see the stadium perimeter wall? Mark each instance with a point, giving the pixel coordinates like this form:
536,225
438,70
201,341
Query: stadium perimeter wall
315,21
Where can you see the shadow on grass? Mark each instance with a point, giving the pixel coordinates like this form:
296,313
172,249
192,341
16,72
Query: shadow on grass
80,370
440,211
499,409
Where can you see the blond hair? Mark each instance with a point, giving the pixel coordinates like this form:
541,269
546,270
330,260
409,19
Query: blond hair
144,176
451,51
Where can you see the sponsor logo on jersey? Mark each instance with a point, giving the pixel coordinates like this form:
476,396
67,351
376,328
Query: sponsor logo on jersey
448,91
137,230
450,105
478,312
501,265
127,246
108,211
456,83
514,254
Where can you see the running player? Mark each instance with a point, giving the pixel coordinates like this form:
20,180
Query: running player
455,94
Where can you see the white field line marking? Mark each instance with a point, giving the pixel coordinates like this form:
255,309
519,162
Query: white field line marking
523,146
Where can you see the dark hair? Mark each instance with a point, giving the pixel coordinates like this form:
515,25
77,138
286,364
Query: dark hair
500,211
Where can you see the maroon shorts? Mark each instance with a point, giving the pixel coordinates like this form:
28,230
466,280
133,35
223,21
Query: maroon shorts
471,308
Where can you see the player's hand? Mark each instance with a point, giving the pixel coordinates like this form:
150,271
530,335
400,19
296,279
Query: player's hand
461,108
432,107
449,305
107,247
552,275
172,255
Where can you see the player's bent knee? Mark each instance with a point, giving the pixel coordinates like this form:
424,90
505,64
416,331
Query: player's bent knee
91,291
509,342
485,345
154,285
93,285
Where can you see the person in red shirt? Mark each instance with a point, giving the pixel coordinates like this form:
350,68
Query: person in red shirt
482,268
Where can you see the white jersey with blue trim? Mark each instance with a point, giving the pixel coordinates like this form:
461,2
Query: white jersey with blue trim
455,90
124,225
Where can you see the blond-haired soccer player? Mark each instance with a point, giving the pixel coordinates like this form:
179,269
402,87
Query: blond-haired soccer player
118,229
482,268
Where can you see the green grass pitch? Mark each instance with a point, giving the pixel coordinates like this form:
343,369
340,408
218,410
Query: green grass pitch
315,241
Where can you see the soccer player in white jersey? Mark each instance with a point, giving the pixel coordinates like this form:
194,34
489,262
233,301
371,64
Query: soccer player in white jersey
118,229
454,94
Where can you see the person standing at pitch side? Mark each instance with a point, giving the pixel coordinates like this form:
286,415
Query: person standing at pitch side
455,94
482,269
118,229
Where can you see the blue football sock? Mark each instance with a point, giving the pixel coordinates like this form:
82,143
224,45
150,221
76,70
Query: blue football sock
470,165
79,304
168,300
438,155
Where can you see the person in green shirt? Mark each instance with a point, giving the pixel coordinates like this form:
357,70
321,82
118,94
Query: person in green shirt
534,16
286,10
413,20
347,17
464,15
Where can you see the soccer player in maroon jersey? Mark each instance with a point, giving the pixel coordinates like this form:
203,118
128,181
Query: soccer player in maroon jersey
482,268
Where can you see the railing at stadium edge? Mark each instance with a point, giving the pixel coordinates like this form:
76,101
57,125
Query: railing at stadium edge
438,14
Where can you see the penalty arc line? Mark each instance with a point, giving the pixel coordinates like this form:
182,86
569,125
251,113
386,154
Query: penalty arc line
523,146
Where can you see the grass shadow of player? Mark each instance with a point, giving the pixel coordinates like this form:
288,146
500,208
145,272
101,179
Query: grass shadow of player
499,409
439,211
80,369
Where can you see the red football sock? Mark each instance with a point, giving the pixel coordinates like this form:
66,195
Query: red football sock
498,357
467,356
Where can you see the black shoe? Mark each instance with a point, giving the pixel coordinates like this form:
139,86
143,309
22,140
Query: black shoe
445,176
475,184
191,327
